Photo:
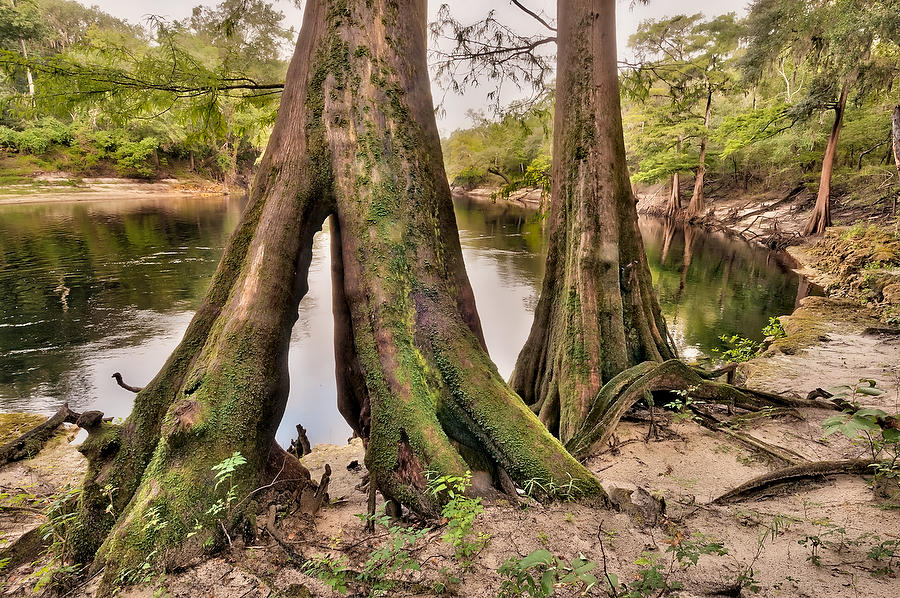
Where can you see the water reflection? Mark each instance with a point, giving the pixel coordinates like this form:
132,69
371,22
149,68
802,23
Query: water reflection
90,288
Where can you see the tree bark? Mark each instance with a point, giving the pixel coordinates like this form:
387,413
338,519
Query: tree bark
697,200
597,314
895,134
356,139
821,216
674,205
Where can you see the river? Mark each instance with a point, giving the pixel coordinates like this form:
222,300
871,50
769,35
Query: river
95,287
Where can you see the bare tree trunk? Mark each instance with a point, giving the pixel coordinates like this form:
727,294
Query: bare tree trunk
355,138
28,71
895,130
674,204
821,216
697,200
597,314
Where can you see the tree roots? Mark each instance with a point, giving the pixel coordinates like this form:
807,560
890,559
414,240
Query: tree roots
672,376
793,474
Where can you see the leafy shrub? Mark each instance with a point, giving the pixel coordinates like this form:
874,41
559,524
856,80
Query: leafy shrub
540,573
133,157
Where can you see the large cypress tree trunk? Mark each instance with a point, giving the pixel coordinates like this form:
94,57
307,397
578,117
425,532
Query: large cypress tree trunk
821,216
355,138
597,314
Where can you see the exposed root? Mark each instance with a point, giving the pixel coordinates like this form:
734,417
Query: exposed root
626,389
773,452
31,442
793,474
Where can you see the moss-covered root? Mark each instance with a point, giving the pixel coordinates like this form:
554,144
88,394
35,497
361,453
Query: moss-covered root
626,389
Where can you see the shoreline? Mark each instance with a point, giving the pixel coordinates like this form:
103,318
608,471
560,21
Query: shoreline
62,190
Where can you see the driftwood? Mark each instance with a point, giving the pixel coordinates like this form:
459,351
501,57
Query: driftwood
774,452
301,445
128,387
796,473
31,442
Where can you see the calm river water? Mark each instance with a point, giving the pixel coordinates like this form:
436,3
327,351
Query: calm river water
92,288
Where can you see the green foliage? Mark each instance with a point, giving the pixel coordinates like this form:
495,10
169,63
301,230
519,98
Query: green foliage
839,539
206,86
774,329
384,565
683,404
655,576
514,152
740,348
541,573
872,428
460,512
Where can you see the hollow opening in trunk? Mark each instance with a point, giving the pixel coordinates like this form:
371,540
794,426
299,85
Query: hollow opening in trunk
312,399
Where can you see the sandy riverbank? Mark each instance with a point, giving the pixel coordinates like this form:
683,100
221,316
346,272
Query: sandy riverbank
63,189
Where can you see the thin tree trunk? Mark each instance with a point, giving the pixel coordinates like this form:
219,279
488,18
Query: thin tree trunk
821,216
597,314
355,138
697,200
895,130
28,71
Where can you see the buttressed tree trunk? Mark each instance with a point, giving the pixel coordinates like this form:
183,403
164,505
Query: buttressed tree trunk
597,314
821,216
674,205
355,139
697,200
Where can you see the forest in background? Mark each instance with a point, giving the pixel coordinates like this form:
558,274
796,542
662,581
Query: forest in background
87,93
753,100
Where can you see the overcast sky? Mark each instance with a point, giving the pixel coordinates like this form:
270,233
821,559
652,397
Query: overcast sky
455,107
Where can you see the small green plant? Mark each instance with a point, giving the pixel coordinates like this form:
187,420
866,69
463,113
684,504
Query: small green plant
224,474
774,329
739,348
871,428
683,404
460,512
383,567
56,530
539,574
548,488
655,577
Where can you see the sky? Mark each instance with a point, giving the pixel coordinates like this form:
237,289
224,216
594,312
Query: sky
455,107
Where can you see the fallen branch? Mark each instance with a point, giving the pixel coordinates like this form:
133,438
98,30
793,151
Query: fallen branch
128,387
31,442
774,452
796,473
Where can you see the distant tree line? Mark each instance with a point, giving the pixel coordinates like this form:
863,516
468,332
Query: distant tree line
797,92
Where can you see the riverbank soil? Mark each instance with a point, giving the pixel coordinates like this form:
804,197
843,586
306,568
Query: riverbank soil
822,538
775,216
831,536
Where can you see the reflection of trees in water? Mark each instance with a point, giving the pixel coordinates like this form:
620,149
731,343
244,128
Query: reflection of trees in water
721,285
507,233
75,273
